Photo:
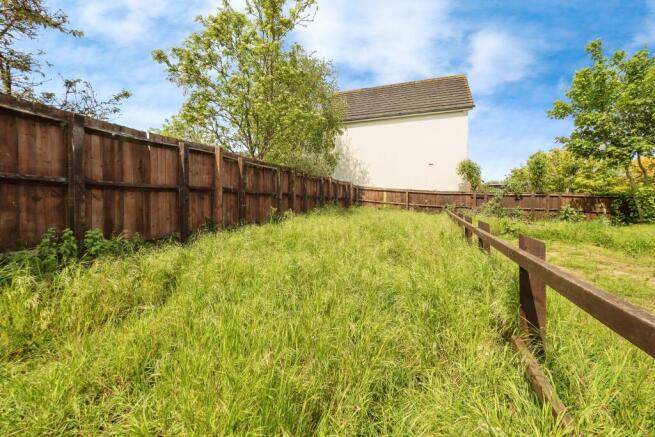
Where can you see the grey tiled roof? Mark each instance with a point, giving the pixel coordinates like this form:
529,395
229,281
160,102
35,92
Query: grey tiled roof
419,97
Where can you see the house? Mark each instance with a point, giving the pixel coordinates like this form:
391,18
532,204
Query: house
409,135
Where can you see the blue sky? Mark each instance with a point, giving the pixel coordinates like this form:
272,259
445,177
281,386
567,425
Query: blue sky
519,55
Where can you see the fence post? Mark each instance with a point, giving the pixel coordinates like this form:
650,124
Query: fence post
292,190
242,190
547,204
532,297
76,203
183,190
321,191
278,191
304,193
484,246
407,200
218,188
467,231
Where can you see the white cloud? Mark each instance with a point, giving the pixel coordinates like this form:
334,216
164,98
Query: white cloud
383,40
122,21
497,58
647,36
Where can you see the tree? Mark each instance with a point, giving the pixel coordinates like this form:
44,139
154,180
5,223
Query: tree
80,97
21,71
470,172
613,108
558,170
23,19
537,169
517,181
251,91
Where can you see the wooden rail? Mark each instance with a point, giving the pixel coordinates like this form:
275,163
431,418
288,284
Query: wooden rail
629,321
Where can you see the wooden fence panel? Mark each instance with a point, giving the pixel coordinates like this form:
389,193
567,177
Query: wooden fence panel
32,149
433,201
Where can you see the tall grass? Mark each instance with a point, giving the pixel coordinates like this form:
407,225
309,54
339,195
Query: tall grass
633,240
341,322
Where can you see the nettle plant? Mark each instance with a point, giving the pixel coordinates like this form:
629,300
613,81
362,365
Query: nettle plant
58,249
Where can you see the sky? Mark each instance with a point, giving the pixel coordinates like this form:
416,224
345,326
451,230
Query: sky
519,56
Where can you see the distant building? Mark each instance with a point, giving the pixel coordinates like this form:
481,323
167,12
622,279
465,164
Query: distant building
410,135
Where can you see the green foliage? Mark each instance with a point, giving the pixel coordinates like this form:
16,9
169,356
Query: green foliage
613,108
250,90
517,181
494,208
569,213
55,250
471,173
560,171
637,206
96,245
537,167
58,250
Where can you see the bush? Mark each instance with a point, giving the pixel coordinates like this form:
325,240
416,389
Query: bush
569,213
636,207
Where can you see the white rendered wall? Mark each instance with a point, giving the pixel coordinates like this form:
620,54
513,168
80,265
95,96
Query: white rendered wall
420,152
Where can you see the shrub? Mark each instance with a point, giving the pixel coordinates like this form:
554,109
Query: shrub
569,213
636,207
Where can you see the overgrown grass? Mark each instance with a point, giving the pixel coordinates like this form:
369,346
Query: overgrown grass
619,259
632,240
341,322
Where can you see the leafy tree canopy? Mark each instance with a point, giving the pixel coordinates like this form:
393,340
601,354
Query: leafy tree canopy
471,173
250,90
613,108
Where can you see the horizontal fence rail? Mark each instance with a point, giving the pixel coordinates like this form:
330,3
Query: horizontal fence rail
629,321
535,204
61,170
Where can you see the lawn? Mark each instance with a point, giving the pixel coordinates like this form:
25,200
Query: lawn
619,259
349,322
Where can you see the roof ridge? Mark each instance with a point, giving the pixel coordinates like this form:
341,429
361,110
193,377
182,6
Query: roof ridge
419,81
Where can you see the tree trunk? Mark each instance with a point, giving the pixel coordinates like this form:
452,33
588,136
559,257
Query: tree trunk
644,172
633,190
5,72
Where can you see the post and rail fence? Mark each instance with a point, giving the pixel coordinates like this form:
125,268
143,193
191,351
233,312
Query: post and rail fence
535,273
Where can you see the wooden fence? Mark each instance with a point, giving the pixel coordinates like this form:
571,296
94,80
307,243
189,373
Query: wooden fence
627,320
62,170
535,204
